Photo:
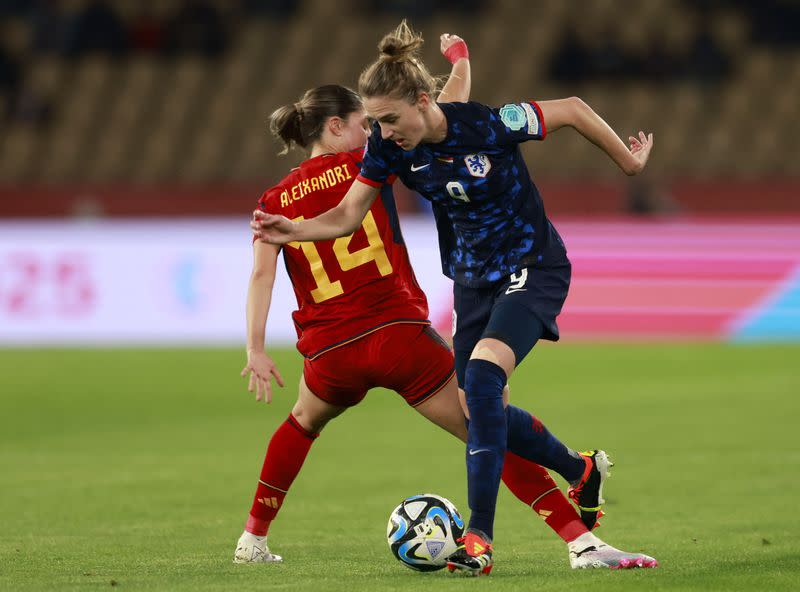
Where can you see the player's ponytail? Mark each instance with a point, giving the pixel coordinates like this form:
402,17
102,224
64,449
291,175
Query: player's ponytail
302,123
398,72
284,123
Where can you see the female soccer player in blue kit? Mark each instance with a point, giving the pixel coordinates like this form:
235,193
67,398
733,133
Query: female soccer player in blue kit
508,263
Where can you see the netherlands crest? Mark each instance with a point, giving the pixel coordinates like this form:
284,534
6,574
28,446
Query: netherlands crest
478,165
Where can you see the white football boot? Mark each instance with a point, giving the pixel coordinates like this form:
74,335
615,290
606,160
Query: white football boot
253,549
589,552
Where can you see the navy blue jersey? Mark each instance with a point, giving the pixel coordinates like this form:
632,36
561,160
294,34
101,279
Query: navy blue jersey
489,213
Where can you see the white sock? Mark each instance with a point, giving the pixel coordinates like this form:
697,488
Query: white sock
587,539
254,538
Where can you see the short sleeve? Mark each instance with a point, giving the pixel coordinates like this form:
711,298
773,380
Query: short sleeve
265,204
376,168
518,122
262,205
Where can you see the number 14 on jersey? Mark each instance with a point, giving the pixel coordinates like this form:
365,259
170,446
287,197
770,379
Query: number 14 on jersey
374,251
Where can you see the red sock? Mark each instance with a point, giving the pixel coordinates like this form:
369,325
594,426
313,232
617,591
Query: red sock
286,452
534,486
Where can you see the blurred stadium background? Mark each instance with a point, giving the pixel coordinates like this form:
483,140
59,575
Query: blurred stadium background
134,146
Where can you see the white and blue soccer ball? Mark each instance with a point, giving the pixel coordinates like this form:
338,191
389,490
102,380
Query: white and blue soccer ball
423,530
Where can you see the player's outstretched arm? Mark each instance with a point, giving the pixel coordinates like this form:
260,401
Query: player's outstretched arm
342,220
459,84
259,365
573,112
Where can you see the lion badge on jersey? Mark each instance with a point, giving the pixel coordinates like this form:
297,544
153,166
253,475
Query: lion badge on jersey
478,165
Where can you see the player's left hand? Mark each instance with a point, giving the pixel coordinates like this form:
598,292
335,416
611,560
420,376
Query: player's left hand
640,149
453,47
261,369
271,228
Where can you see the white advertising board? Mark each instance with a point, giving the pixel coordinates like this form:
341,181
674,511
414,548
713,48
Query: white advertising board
170,282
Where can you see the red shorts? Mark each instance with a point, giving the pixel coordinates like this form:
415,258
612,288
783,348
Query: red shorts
407,358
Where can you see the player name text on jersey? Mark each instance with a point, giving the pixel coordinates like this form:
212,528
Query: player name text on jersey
329,178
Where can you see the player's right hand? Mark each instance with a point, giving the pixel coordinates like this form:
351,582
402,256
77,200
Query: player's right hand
261,369
453,47
271,228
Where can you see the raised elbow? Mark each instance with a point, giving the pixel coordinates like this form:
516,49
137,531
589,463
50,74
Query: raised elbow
578,104
574,113
578,108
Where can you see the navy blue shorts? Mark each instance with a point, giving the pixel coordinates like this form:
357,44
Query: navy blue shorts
518,311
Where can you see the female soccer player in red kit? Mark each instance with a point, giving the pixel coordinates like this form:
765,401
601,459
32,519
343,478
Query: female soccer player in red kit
360,308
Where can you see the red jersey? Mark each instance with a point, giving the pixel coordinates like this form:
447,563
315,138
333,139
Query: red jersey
351,286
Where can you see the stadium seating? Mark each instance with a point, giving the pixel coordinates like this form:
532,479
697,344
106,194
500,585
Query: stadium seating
146,118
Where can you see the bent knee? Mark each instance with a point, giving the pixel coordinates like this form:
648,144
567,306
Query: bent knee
308,420
496,352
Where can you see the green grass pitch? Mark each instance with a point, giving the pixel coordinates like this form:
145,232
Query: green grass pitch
134,469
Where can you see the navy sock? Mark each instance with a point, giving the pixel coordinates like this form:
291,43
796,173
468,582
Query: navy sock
530,439
486,440
551,455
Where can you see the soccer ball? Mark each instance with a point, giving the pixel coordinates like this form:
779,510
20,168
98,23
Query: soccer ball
422,531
